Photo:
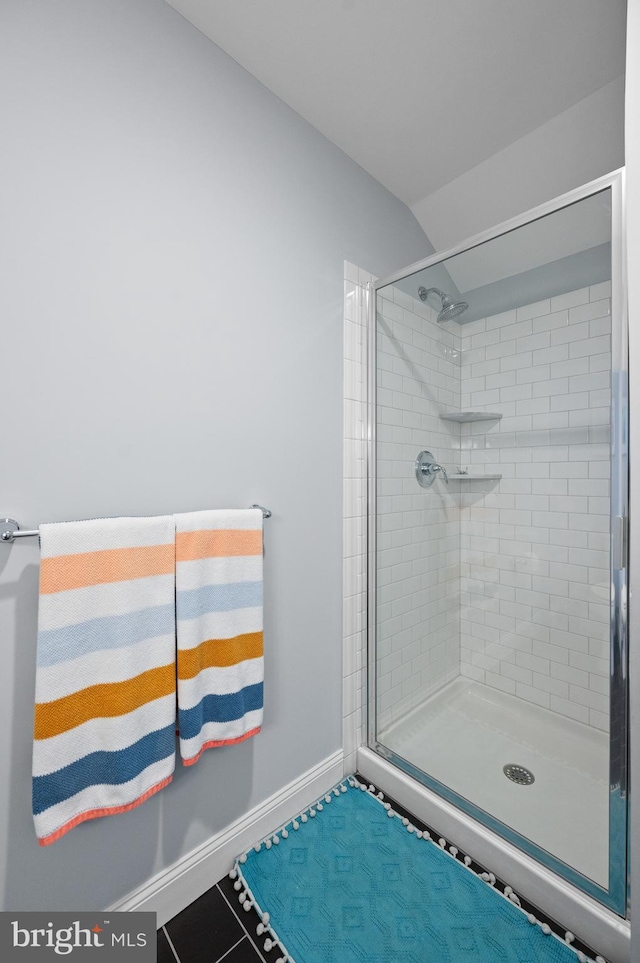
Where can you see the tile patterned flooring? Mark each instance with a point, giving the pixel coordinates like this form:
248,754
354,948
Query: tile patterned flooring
216,928
212,929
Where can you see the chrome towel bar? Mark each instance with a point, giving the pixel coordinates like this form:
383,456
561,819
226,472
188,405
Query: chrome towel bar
10,529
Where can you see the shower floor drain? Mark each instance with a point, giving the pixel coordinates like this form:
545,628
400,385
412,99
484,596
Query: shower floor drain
518,774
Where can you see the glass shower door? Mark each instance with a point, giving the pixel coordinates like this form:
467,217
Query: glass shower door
497,536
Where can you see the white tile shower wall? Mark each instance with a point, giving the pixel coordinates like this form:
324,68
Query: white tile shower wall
355,514
535,563
418,535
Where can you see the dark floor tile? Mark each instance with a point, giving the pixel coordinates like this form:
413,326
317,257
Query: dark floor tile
165,953
244,952
204,930
249,920
275,954
226,885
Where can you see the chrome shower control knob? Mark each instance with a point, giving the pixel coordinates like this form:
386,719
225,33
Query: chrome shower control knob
427,468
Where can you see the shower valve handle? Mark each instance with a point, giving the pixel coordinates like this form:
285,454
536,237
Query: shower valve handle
427,468
432,469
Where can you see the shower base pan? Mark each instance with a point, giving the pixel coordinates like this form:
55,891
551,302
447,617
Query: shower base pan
555,787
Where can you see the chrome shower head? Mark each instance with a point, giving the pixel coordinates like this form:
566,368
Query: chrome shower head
450,308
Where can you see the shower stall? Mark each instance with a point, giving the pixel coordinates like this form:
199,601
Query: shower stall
497,550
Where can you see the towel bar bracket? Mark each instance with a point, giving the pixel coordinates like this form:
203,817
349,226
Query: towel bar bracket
266,513
10,529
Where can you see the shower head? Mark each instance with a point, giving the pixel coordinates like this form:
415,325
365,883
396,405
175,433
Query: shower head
450,308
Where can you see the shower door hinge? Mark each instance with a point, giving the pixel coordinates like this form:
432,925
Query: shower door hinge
619,542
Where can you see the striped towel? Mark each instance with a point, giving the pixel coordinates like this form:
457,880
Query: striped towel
105,681
219,618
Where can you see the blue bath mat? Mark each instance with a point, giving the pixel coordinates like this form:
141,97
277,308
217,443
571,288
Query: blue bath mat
350,881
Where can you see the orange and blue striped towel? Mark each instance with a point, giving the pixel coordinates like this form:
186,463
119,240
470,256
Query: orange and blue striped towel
105,680
219,620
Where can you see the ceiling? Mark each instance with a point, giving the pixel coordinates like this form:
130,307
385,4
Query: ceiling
420,91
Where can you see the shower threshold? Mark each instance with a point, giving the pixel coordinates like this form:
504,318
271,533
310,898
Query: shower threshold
465,735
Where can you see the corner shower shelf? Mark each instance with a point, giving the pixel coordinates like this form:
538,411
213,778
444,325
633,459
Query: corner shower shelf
470,477
461,416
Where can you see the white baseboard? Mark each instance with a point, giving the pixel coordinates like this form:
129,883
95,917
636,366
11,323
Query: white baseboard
170,891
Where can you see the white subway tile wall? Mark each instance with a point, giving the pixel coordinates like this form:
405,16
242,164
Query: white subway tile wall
503,581
354,512
535,545
418,535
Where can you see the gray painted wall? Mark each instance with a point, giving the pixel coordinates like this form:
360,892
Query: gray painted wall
172,249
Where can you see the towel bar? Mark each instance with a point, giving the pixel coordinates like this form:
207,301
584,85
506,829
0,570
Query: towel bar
10,529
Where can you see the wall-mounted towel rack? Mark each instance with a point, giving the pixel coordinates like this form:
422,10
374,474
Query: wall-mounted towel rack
10,529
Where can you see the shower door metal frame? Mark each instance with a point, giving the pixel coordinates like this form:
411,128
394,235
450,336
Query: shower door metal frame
616,896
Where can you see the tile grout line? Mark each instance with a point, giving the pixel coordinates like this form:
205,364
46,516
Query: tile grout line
224,955
175,952
241,923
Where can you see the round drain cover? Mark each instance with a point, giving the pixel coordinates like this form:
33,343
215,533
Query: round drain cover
518,774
